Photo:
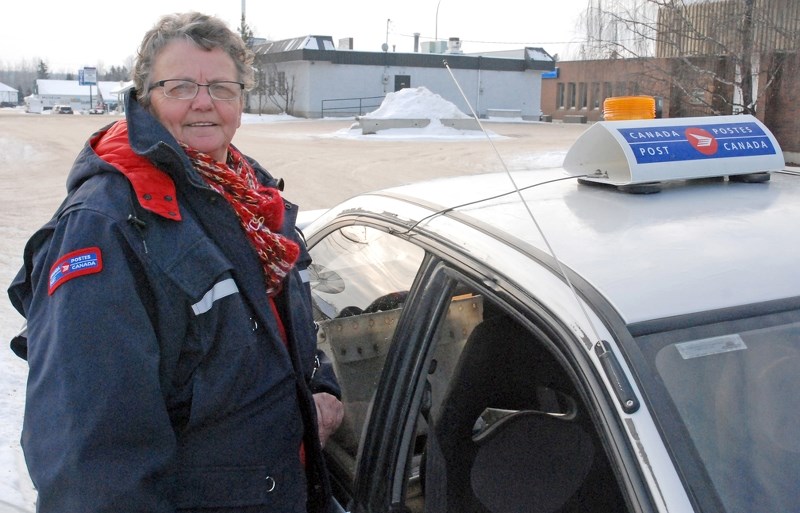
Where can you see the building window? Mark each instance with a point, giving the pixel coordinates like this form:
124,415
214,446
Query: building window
571,95
621,89
276,84
583,99
560,95
596,100
607,91
282,83
697,97
633,88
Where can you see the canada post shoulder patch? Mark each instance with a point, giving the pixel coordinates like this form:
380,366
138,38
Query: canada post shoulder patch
76,263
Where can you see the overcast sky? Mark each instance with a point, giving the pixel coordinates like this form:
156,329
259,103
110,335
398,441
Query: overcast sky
71,35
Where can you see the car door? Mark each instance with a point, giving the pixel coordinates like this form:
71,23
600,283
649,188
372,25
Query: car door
441,376
360,279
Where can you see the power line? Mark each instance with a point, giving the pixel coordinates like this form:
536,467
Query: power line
517,43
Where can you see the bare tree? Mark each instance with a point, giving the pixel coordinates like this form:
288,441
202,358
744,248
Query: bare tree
712,51
279,88
260,89
21,75
618,29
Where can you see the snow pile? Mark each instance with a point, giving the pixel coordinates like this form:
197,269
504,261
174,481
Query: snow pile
414,113
415,103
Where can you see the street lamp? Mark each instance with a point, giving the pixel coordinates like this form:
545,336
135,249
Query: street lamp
436,34
385,45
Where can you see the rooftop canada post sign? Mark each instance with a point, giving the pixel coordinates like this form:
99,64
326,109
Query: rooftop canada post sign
641,151
693,142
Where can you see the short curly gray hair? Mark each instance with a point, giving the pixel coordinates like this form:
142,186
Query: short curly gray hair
207,32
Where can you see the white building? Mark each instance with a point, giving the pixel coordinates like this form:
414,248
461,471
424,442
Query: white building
8,96
79,97
319,80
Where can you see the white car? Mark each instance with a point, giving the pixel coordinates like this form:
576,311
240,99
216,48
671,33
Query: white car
555,344
62,109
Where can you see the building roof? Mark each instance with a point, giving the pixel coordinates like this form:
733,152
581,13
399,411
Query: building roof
321,48
296,43
7,89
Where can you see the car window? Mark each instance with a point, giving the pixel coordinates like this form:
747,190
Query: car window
360,277
498,405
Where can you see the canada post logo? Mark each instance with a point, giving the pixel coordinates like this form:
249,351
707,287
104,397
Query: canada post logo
678,143
702,140
76,263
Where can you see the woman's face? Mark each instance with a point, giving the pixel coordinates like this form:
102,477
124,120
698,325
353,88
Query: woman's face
203,123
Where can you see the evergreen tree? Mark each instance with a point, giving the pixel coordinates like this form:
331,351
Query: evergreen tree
41,71
245,32
117,74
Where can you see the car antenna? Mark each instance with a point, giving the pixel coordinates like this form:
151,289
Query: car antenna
518,191
608,360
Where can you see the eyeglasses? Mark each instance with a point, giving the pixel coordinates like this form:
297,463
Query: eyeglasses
187,90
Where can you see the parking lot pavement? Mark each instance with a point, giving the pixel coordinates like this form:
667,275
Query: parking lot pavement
320,166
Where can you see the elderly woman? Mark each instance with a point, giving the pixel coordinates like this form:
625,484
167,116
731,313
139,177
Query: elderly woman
170,340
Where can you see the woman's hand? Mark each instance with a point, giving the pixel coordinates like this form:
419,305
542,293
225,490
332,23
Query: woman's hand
330,412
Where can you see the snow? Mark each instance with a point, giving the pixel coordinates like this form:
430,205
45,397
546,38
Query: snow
416,102
16,491
408,103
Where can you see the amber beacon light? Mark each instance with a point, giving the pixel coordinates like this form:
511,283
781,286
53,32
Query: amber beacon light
619,108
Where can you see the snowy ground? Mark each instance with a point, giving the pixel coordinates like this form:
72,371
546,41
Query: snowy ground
330,159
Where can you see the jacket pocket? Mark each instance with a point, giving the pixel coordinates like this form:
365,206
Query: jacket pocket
256,488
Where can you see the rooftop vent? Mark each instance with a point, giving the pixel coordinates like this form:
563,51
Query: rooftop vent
454,45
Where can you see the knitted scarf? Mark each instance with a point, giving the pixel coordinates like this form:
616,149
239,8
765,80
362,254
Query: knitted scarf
259,209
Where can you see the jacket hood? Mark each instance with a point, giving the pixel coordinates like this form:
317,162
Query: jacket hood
154,188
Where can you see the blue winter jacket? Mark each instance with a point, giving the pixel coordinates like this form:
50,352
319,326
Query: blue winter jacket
158,379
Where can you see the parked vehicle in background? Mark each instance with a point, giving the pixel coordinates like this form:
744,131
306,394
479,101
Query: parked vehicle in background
564,343
100,108
62,109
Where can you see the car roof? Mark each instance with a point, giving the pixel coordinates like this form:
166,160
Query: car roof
695,246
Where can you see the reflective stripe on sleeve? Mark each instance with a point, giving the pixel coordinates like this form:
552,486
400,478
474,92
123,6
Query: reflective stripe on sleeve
218,291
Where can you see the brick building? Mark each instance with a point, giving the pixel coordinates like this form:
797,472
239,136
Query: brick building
782,110
578,88
581,87
695,68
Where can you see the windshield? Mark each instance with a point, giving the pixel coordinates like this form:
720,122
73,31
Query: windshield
735,387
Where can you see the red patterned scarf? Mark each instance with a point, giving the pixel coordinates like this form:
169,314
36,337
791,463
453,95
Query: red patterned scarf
259,208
